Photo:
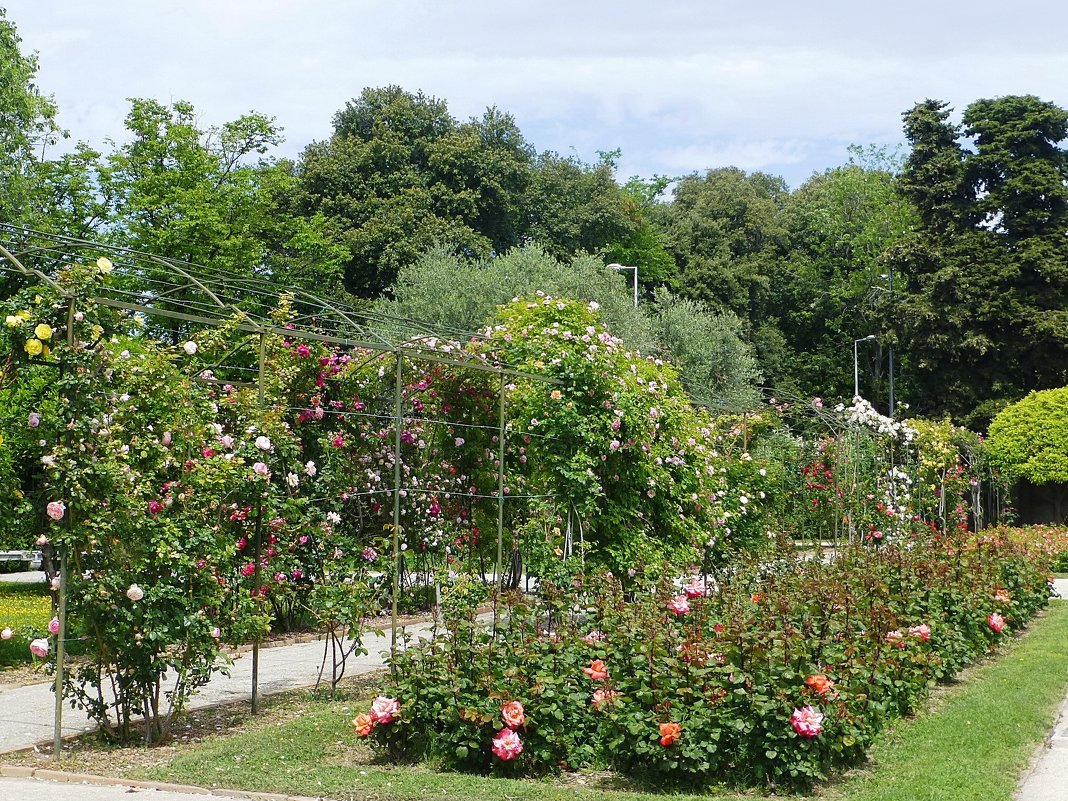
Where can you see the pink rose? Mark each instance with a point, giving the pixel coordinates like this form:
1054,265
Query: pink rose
513,714
923,631
895,638
594,636
53,625
260,468
679,605
216,633
807,721
695,589
39,648
996,621
507,745
154,508
6,634
56,510
385,710
33,420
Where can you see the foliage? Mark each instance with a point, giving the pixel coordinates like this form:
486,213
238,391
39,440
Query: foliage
716,366
732,661
618,441
1030,438
130,503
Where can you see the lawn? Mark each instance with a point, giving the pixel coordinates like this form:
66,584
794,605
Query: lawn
978,735
23,607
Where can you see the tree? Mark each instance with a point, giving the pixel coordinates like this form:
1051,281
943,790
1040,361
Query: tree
453,294
27,124
400,174
720,227
716,366
834,281
187,193
986,274
572,206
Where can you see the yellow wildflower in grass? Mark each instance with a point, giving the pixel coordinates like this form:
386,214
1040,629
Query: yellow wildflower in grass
43,331
34,347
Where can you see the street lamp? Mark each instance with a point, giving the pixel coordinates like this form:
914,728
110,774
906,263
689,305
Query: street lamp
625,267
856,364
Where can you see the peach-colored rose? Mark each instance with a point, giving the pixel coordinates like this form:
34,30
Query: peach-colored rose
603,698
363,723
513,714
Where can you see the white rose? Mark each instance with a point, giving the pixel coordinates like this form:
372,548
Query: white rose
135,593
263,443
190,347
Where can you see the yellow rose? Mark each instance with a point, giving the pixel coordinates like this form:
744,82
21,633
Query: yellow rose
43,331
13,321
98,331
25,314
34,347
104,264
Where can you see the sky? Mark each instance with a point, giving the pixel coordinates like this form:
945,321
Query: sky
679,87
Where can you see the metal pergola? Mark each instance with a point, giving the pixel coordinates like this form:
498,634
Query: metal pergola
185,295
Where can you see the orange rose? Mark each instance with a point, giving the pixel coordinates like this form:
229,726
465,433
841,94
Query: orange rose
670,733
756,597
820,683
363,724
597,670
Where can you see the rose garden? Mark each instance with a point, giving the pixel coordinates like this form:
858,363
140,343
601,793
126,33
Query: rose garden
618,578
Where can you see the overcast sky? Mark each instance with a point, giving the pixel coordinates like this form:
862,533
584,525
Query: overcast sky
678,86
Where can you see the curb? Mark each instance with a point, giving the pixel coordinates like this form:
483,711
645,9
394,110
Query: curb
42,774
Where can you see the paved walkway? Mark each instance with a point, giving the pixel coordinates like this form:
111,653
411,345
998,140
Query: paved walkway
26,715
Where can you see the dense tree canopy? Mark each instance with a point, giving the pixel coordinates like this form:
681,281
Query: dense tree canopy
983,306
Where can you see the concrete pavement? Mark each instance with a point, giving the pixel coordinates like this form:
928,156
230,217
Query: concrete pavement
27,713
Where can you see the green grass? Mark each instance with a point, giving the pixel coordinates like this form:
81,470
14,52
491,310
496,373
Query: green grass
23,608
977,740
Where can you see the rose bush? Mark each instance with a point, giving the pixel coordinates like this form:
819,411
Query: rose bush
781,671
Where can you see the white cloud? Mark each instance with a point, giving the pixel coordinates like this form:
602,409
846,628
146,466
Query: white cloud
678,85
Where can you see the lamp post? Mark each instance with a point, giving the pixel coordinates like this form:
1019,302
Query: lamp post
856,363
625,267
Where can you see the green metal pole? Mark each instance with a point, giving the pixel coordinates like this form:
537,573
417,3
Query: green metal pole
61,651
500,487
261,399
398,425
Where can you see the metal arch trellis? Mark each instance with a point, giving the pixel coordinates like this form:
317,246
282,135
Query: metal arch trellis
183,293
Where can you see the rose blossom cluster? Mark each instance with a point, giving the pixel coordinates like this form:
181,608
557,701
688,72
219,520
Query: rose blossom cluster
383,711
